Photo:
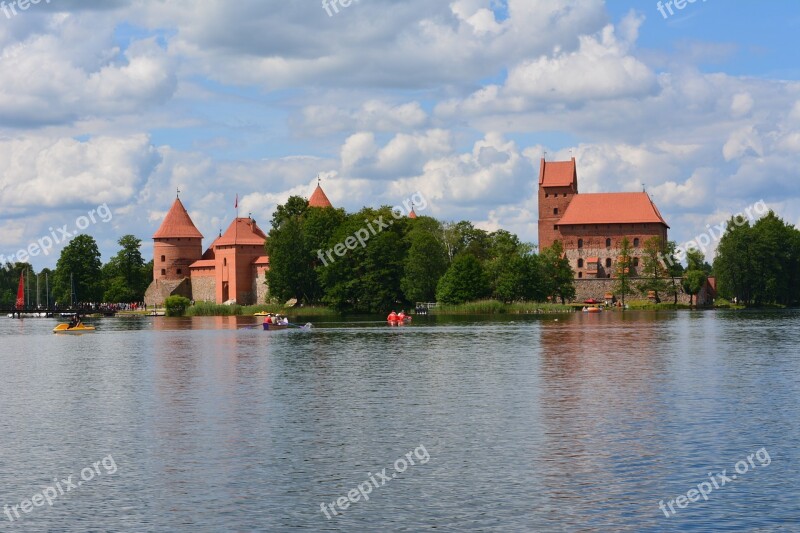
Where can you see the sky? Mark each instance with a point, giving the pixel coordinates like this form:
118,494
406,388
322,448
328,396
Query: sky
109,107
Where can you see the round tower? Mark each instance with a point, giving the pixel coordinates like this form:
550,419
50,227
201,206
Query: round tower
176,245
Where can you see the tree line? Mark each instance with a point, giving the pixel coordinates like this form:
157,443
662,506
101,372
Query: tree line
80,276
759,264
316,256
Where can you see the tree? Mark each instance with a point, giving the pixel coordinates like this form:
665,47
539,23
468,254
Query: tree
559,278
366,278
464,281
693,282
125,278
176,305
623,285
425,263
653,274
295,206
674,270
79,263
298,235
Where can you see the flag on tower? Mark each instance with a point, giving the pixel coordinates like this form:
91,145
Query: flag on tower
236,204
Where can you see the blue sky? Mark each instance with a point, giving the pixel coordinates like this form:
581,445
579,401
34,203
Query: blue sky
121,102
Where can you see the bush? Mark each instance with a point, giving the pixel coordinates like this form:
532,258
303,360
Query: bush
176,305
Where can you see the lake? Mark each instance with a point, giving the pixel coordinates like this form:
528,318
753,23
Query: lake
637,422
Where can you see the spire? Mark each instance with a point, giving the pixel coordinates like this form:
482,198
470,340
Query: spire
319,198
177,224
412,214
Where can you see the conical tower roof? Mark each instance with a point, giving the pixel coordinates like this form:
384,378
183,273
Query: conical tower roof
319,199
242,231
177,224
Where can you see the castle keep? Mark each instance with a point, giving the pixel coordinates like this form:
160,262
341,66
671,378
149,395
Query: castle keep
591,226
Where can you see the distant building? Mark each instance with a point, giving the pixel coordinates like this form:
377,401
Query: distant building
591,226
233,268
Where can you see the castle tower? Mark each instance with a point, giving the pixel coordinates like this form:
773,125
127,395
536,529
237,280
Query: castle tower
558,185
176,245
237,254
319,198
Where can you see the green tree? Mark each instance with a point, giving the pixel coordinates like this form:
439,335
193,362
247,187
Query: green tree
295,206
366,278
80,262
653,274
464,281
559,278
693,282
297,240
176,305
674,270
425,263
125,278
623,285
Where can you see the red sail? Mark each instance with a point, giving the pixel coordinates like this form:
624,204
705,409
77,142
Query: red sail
21,292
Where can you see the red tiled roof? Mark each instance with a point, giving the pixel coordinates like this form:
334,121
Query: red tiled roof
593,260
319,199
558,173
242,231
177,224
412,214
263,260
612,208
203,263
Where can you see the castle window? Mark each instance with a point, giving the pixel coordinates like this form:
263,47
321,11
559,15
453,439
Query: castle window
565,195
636,261
555,210
163,259
608,276
636,242
608,243
547,195
163,271
608,262
580,263
555,227
580,274
225,262
180,271
580,243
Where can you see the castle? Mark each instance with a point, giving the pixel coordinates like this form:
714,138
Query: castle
591,226
233,268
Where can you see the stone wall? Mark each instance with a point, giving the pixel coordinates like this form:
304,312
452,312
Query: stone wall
160,290
597,289
204,288
260,286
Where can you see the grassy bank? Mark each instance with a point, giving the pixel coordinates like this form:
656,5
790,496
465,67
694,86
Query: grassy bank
647,305
494,307
210,309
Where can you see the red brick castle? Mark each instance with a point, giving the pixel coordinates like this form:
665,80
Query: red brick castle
591,226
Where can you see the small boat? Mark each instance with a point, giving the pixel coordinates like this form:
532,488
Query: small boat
274,327
262,313
592,309
80,328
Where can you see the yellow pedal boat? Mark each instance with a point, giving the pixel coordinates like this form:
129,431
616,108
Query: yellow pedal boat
80,328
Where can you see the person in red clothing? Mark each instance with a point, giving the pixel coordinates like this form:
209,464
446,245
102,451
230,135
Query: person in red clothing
392,318
401,317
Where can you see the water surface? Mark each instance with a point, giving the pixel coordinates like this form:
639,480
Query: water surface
532,423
